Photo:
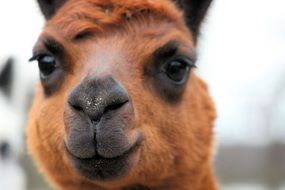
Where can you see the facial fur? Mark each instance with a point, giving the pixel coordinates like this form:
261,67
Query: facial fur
112,112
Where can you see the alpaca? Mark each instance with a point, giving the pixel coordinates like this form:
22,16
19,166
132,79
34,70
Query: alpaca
119,105
12,176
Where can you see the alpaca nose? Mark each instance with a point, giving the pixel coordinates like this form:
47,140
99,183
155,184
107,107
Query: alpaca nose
96,117
99,119
96,97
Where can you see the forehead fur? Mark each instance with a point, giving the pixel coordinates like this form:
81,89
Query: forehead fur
79,17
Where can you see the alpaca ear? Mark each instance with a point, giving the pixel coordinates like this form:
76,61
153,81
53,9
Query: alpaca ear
49,7
194,11
6,77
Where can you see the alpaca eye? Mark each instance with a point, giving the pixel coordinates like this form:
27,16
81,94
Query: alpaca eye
47,64
178,70
51,71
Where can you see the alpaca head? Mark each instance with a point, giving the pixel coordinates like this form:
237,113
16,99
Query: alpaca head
119,102
10,122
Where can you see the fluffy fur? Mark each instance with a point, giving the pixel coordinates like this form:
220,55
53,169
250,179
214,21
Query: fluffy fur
117,38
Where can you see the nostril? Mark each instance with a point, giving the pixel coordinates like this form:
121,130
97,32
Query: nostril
77,108
115,106
72,103
4,149
112,107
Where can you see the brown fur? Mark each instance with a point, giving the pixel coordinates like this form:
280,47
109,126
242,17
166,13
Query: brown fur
178,147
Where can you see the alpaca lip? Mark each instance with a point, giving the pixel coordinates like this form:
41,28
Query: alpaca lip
99,157
103,169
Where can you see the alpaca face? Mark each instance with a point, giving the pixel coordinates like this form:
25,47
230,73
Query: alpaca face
119,103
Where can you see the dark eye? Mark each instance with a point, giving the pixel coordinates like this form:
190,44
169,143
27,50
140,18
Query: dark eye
51,70
47,65
178,70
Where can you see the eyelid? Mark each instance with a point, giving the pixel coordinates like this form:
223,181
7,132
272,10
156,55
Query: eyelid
185,59
38,55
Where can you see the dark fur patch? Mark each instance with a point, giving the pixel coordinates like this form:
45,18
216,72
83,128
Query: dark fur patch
194,11
49,7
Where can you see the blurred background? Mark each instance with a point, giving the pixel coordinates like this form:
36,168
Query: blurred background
241,56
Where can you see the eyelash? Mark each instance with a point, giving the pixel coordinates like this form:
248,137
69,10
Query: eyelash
37,56
185,59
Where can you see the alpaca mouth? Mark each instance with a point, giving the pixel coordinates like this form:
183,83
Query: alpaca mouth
101,168
98,156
